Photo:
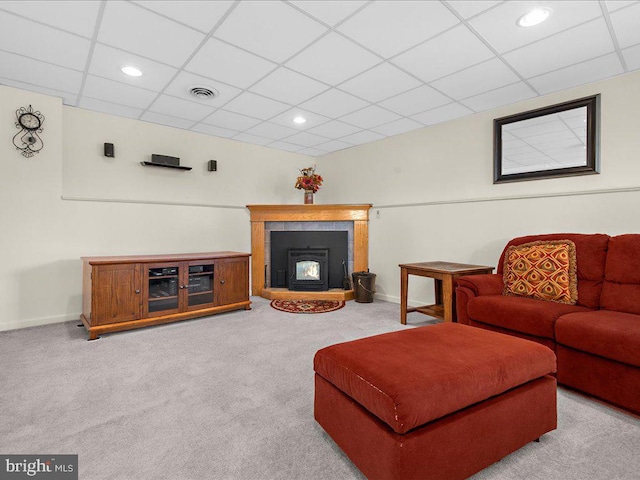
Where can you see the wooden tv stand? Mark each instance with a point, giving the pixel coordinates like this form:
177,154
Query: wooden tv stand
127,292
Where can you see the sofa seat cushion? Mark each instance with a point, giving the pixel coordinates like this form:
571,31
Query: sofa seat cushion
527,315
414,376
612,335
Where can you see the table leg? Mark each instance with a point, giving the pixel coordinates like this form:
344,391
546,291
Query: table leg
437,284
404,284
447,298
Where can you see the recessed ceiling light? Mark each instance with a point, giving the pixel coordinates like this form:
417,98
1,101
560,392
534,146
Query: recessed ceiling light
534,17
299,120
131,71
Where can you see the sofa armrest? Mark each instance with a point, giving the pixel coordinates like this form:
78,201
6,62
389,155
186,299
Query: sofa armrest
487,284
470,286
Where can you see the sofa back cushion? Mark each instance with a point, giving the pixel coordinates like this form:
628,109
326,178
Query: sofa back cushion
621,289
591,255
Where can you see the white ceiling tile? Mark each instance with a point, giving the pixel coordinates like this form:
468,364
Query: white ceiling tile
359,138
371,116
251,26
72,16
200,15
382,81
159,37
230,120
329,11
626,24
333,59
442,114
272,131
249,103
110,108
498,25
447,53
229,64
613,5
334,129
469,8
290,147
39,73
314,152
286,119
573,46
497,98
216,131
181,85
477,79
116,92
632,57
585,72
130,27
246,138
415,101
108,62
48,44
332,146
288,86
388,28
306,139
334,103
166,120
67,98
177,107
399,126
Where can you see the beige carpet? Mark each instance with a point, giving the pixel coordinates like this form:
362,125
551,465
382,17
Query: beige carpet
230,397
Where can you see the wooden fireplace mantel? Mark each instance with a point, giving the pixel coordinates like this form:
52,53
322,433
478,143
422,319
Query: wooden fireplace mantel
358,214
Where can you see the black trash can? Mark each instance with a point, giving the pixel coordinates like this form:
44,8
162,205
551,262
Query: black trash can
364,284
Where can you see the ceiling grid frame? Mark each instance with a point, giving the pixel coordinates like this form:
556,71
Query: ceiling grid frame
367,109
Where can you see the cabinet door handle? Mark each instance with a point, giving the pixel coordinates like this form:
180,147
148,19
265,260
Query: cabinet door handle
137,291
182,287
222,282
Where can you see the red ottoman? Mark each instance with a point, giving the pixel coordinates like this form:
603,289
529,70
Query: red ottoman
436,402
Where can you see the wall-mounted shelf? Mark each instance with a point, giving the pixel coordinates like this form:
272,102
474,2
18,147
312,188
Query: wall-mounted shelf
151,164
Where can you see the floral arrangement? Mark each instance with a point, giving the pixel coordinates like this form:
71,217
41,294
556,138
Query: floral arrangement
309,180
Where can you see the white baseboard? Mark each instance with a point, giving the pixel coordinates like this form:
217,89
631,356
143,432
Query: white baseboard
34,322
394,299
386,298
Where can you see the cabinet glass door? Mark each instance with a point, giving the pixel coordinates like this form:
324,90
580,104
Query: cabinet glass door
200,285
164,288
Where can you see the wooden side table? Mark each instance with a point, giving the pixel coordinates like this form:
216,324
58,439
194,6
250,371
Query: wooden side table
444,274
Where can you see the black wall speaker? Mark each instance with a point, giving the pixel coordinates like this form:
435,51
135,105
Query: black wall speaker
108,150
213,166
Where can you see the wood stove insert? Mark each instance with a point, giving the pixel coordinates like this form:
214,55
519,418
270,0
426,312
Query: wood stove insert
308,269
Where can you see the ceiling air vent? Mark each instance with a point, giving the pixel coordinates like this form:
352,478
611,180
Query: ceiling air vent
203,93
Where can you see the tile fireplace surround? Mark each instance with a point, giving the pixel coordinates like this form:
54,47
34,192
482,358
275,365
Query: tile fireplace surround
267,218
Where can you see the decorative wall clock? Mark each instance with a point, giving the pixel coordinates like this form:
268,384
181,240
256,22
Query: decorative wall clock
30,123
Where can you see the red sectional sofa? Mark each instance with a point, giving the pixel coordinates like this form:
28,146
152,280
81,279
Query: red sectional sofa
597,340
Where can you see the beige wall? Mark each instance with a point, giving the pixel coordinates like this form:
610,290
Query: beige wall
432,188
44,236
434,197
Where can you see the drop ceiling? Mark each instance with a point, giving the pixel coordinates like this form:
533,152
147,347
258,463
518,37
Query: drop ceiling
358,71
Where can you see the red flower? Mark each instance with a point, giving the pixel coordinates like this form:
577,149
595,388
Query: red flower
309,180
